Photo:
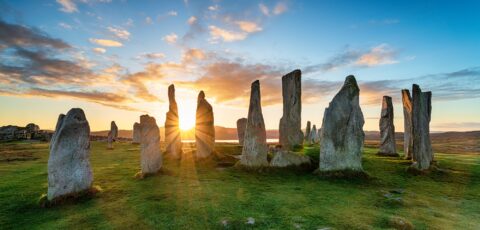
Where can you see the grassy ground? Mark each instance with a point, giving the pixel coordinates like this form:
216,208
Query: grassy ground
192,196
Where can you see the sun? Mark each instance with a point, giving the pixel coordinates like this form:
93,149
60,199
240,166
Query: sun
186,112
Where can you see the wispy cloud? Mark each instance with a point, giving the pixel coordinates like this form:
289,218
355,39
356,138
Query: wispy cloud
213,8
151,56
68,6
148,20
119,32
191,20
248,26
379,55
170,38
226,35
105,42
18,35
279,8
99,50
65,25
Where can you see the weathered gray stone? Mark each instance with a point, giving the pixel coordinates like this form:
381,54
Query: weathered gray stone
172,130
314,135
137,133
342,131
241,125
407,124
69,168
421,114
151,156
255,148
387,129
204,128
308,129
290,128
285,158
112,134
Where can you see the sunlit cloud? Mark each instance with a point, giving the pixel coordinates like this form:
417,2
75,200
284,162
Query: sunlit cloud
191,20
119,32
68,6
379,55
280,8
170,38
99,50
151,56
226,35
105,42
249,27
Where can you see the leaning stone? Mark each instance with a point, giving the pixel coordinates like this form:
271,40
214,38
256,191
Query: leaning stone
255,148
421,114
204,128
387,129
241,125
137,133
172,130
342,131
284,158
69,170
151,156
290,130
407,124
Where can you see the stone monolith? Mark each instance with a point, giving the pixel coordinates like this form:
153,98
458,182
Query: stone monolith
387,129
290,128
204,128
313,135
112,134
69,168
407,124
421,114
241,125
172,130
342,131
150,156
136,133
255,148
308,129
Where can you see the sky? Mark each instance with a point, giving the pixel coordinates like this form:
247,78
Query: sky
116,58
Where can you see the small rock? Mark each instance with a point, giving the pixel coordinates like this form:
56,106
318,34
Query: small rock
250,220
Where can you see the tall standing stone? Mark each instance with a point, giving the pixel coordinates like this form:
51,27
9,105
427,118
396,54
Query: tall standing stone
136,133
387,129
407,124
150,156
241,125
172,131
255,148
313,135
69,168
342,131
421,114
204,128
308,129
112,134
290,129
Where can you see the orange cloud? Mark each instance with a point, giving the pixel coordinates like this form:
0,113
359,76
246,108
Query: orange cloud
105,42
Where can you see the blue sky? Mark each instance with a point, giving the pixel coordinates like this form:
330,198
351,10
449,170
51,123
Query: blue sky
124,54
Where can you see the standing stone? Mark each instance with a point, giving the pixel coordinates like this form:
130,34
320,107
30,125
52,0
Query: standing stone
387,129
407,124
422,109
241,125
313,135
172,130
68,164
136,133
204,128
342,131
151,156
307,133
255,148
112,134
290,129
319,135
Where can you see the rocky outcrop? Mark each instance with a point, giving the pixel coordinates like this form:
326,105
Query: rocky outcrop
137,133
290,130
151,156
285,158
204,128
308,129
112,134
342,131
69,168
387,129
172,130
421,114
241,125
407,124
255,149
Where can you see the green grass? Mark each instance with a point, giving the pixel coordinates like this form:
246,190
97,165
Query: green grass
192,196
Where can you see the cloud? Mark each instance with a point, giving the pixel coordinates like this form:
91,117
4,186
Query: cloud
18,35
119,32
213,8
129,22
148,20
191,20
151,56
264,9
105,42
381,54
68,6
192,55
99,50
280,8
249,27
170,38
65,25
226,35
172,13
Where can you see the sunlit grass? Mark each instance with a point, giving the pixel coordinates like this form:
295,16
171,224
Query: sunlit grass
192,196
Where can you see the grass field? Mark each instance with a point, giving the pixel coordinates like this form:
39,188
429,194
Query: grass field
192,196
